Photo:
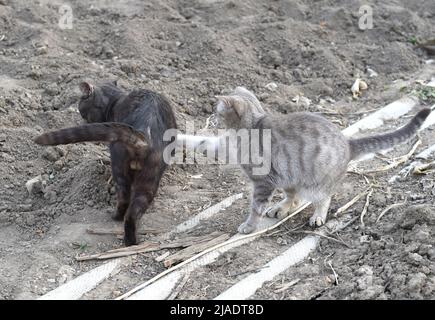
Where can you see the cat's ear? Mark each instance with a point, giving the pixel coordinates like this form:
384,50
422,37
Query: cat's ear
86,88
233,102
225,99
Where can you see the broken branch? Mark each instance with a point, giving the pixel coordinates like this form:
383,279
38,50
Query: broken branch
366,205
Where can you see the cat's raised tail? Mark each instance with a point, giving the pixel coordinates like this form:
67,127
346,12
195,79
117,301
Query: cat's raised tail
362,146
104,132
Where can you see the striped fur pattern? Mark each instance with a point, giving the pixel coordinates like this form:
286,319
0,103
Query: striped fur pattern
133,124
104,132
362,146
310,155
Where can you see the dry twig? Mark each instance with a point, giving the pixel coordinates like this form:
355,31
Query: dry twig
366,205
120,232
392,206
351,202
179,287
335,273
286,286
324,236
148,247
194,249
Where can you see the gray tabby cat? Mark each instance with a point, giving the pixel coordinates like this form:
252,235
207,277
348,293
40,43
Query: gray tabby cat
309,155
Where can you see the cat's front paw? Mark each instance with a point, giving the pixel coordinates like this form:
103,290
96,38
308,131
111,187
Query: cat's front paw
130,236
316,221
130,240
277,211
246,228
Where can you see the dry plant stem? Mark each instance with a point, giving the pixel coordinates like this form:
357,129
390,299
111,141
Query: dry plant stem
335,113
172,269
179,287
116,253
360,173
120,232
392,206
162,257
366,205
287,285
239,273
324,236
148,247
351,202
193,249
424,168
335,274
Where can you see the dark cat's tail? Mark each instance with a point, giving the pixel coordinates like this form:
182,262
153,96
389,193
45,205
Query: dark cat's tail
359,147
104,132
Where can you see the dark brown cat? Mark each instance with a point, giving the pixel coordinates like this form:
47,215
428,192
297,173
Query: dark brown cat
133,123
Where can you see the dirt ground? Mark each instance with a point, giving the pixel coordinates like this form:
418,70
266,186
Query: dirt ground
191,50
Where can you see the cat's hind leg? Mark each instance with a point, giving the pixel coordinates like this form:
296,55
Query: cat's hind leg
144,188
282,208
122,177
320,212
260,199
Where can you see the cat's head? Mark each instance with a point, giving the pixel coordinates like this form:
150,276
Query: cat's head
238,110
96,99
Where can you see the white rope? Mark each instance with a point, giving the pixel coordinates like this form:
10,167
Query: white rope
77,287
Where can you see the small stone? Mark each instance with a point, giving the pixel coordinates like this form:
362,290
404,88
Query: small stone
372,73
273,58
50,195
112,190
422,235
416,281
431,254
30,219
364,270
42,50
424,249
373,292
364,282
415,258
58,165
51,154
365,238
52,90
65,274
412,247
272,86
281,241
34,185
24,207
34,74
207,108
425,270
408,223
108,52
